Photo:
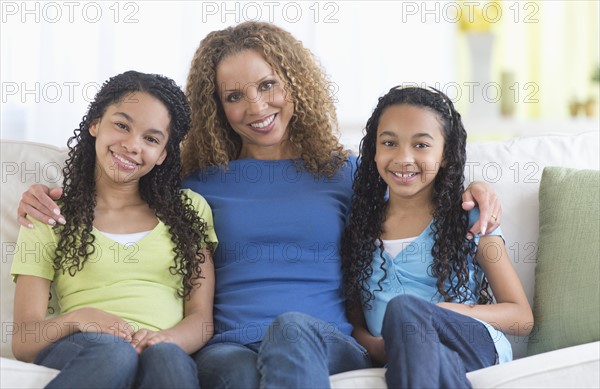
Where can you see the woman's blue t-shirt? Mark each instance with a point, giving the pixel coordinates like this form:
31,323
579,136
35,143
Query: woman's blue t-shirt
279,231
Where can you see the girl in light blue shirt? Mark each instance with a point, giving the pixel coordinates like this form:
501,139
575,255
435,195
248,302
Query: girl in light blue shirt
421,278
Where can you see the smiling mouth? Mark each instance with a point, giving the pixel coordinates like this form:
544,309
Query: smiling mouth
127,164
264,123
404,175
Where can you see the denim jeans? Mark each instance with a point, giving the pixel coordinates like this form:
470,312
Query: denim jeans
431,347
98,360
297,351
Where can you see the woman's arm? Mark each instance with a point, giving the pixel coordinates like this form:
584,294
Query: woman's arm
38,202
196,328
490,210
33,333
511,314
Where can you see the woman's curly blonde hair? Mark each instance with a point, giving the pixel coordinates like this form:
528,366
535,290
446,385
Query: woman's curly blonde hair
313,126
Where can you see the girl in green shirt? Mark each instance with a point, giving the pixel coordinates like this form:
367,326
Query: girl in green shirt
132,266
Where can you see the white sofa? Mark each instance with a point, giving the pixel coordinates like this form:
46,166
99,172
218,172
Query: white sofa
513,167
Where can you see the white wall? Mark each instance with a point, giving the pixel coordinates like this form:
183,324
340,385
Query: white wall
56,54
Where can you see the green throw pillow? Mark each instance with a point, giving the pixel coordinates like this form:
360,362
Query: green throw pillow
566,304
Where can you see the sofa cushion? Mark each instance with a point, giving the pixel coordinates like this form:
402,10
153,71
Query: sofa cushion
572,367
567,291
16,374
23,163
514,169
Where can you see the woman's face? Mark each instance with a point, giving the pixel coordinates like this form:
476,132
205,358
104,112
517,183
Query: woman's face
256,105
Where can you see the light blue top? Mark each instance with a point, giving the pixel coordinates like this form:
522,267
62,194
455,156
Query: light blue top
408,273
279,232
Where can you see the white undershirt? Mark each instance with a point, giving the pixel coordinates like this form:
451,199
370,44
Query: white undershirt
126,239
395,246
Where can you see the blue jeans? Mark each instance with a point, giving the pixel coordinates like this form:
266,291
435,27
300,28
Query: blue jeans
98,360
297,351
431,347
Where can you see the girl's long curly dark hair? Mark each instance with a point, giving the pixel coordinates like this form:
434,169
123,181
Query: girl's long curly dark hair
160,188
451,250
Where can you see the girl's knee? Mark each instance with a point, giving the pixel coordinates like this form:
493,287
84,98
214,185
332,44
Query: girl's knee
165,348
111,351
406,307
121,353
166,365
112,354
407,302
166,353
124,354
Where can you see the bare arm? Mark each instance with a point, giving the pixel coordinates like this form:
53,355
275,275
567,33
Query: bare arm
33,333
511,314
196,328
38,202
490,209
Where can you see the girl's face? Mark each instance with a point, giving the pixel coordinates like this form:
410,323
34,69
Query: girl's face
131,137
409,150
255,104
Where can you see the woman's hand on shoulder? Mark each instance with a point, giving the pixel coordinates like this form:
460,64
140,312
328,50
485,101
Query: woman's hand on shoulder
38,202
490,209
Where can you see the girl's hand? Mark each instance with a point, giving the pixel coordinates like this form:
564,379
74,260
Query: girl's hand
97,320
38,203
490,210
511,313
145,338
377,351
